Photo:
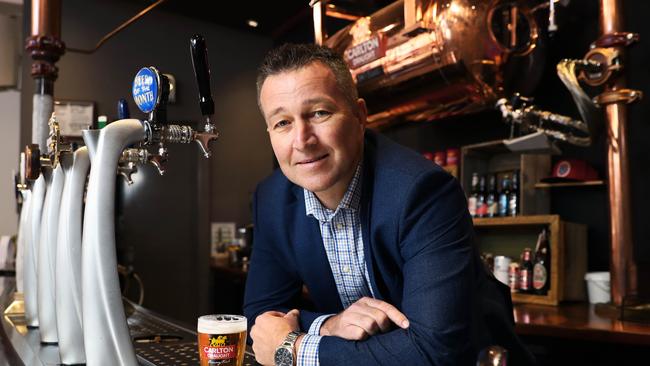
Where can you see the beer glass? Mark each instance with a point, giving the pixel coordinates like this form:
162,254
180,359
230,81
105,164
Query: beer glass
222,339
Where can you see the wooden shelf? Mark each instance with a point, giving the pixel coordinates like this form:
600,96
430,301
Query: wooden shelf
569,184
516,220
509,235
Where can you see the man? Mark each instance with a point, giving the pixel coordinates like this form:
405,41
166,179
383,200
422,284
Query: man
380,237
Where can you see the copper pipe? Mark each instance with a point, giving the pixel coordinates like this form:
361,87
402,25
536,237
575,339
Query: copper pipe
45,47
318,13
46,18
117,30
622,263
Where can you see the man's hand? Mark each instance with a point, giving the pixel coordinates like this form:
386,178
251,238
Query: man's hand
362,319
269,332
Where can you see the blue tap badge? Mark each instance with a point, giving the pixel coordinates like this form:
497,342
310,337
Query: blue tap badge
146,89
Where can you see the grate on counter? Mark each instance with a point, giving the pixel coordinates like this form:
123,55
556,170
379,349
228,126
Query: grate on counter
177,354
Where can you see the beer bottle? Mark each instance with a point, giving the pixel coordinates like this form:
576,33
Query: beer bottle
481,203
491,200
541,268
526,271
503,196
471,201
513,196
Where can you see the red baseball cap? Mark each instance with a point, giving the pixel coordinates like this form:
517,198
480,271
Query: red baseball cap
571,170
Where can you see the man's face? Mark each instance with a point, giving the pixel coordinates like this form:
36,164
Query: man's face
317,136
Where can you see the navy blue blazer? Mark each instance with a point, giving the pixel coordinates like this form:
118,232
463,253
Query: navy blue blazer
419,249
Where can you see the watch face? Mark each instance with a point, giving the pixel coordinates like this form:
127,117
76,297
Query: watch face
283,357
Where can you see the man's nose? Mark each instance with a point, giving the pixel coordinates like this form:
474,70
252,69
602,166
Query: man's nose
304,135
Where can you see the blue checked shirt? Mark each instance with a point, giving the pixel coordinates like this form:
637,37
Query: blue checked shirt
341,233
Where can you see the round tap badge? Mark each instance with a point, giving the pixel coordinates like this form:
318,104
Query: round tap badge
146,89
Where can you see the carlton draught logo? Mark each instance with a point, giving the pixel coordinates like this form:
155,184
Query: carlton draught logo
365,52
219,349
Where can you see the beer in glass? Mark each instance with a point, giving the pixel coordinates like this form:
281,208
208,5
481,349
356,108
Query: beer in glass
222,340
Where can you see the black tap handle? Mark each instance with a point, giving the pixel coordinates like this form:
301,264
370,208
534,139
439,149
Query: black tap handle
202,72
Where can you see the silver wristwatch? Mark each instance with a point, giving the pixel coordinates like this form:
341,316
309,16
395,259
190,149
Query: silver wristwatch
285,355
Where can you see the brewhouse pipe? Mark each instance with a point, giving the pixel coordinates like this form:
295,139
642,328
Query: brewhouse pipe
622,263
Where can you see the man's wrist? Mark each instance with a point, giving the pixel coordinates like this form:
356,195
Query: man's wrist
286,353
296,345
316,325
325,327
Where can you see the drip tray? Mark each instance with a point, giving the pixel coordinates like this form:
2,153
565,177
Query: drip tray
178,354
159,342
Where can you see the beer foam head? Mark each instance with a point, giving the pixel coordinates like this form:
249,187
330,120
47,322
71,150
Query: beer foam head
221,324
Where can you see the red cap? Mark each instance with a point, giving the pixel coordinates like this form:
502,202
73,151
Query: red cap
571,170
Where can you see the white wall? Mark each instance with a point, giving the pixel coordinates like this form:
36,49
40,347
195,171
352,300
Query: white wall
9,122
9,127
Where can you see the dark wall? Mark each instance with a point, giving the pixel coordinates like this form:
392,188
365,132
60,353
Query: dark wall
163,221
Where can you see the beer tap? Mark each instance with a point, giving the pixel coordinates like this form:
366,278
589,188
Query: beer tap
68,261
199,53
157,131
126,141
39,169
59,160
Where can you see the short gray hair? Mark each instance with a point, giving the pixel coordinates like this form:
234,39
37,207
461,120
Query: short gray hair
290,57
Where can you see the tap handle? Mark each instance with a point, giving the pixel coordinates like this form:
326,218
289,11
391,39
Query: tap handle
32,161
123,109
202,72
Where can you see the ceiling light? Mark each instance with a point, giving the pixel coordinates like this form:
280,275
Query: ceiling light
252,23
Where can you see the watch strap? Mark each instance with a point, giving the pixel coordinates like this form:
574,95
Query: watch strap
290,339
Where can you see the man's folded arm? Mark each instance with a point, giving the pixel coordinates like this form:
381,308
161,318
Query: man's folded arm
436,246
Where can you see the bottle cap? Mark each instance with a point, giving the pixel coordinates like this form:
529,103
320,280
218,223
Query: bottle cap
102,121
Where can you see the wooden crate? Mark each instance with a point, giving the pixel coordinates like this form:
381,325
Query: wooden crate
568,245
495,157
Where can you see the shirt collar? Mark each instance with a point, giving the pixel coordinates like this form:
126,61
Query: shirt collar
350,200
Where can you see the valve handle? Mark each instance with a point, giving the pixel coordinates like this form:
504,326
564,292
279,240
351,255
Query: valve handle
32,162
202,72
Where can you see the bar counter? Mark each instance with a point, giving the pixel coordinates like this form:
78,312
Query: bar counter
579,321
157,340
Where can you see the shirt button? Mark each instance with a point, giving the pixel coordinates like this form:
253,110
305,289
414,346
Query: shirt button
339,226
346,269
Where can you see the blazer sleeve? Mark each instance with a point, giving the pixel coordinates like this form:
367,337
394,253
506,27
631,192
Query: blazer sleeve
272,282
435,237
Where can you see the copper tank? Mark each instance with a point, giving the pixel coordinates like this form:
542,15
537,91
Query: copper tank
424,60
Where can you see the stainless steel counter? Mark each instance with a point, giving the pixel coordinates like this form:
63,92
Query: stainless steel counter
157,340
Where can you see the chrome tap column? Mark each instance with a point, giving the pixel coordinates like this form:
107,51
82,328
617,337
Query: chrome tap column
68,262
106,334
47,254
30,260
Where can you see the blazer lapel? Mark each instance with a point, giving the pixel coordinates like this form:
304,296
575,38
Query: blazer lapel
365,212
311,257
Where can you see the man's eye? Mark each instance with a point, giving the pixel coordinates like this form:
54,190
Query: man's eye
321,114
281,124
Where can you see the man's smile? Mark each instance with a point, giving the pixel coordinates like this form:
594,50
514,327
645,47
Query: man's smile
312,160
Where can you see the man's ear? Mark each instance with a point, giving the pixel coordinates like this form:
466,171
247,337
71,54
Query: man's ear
362,112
